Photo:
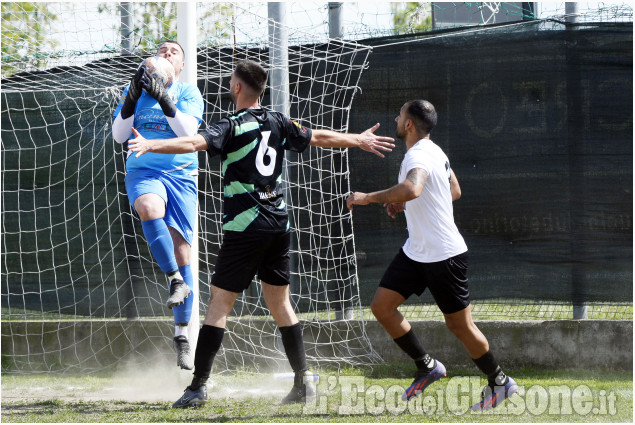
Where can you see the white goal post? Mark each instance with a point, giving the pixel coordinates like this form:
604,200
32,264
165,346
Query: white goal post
186,36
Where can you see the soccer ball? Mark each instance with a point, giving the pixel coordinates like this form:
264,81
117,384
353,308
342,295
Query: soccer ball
160,69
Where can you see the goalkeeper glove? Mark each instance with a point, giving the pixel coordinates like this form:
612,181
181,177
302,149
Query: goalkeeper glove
134,93
156,90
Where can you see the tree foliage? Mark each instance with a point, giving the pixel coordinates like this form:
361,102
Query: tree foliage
29,39
154,22
25,39
411,16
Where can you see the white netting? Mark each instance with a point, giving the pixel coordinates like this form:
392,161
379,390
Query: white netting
80,289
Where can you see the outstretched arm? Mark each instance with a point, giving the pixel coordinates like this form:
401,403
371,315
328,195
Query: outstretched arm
186,144
405,191
367,140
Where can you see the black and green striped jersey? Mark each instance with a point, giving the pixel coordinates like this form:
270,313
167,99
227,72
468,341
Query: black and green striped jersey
251,144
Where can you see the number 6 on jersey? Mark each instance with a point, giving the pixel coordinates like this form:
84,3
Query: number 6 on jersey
265,150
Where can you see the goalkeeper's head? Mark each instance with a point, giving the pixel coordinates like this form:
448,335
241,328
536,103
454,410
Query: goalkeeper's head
174,53
249,78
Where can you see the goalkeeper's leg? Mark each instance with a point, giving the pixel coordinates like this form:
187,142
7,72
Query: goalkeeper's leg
158,202
277,300
181,281
182,312
180,216
151,210
182,316
149,196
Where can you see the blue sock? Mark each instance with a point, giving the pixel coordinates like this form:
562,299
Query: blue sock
183,312
161,245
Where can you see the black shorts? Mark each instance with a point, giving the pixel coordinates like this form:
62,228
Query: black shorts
446,279
243,254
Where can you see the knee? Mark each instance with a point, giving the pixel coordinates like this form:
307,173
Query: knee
457,328
381,311
278,303
148,208
182,254
279,307
218,311
461,328
283,313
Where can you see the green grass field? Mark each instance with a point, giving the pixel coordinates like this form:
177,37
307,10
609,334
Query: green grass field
352,395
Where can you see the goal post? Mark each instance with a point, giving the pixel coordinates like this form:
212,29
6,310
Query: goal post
75,263
186,36
278,57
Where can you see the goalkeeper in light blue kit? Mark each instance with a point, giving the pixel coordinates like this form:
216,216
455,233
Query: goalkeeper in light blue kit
162,188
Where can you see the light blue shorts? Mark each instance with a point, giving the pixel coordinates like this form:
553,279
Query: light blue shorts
177,191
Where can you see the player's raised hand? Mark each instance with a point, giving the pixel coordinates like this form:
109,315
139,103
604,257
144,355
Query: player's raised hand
139,144
153,86
156,89
370,142
134,93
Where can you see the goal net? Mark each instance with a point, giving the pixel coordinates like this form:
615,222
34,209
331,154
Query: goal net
80,289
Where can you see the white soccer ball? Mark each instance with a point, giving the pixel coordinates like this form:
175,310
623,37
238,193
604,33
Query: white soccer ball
160,69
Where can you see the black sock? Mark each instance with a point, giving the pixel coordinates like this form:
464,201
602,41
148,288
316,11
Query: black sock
294,348
207,345
425,363
489,366
410,344
197,383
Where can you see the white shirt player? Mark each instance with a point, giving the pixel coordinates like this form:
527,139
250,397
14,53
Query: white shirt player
432,233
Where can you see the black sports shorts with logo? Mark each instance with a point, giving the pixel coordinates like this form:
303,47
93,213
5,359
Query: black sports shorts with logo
447,280
243,254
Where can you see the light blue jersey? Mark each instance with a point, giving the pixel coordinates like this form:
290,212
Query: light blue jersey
150,121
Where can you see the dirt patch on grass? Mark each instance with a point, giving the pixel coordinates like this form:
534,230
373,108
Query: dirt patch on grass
157,382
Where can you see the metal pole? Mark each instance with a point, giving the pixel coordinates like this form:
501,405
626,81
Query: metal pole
126,28
130,243
279,57
279,95
335,20
571,12
343,308
577,190
186,36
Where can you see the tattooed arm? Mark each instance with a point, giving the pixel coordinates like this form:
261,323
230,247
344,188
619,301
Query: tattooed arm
409,189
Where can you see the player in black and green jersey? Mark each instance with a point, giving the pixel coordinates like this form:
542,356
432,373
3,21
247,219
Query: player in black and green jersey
251,143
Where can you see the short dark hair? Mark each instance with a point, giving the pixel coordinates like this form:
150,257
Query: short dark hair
422,113
173,42
252,74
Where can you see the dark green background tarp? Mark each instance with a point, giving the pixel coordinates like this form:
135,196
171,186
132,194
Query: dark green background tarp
538,127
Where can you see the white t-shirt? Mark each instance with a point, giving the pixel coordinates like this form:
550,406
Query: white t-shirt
433,235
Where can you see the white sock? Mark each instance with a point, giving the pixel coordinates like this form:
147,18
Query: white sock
175,275
180,330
